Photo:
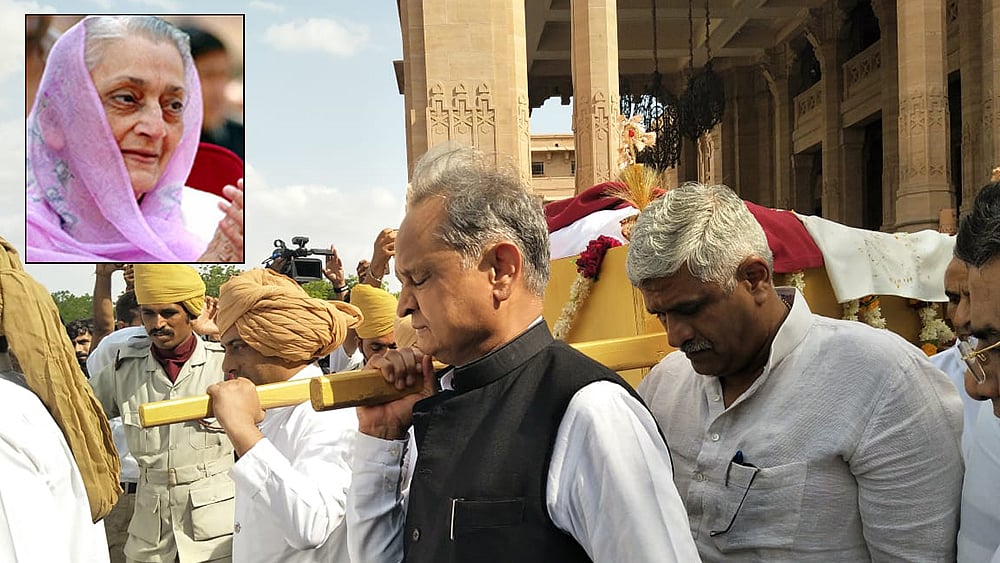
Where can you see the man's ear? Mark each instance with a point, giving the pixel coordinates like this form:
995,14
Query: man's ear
504,263
754,272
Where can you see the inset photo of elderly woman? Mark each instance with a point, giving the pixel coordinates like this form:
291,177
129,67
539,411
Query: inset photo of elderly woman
131,155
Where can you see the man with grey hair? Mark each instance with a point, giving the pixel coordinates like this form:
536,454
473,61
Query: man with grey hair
794,436
528,450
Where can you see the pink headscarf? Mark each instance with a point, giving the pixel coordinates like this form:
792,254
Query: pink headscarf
80,203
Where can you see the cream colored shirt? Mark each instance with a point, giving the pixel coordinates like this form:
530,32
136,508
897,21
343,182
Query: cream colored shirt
850,447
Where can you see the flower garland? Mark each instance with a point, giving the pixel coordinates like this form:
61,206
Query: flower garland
797,279
588,265
871,312
935,332
851,310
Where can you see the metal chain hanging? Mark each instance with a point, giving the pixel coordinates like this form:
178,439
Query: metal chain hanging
704,101
660,114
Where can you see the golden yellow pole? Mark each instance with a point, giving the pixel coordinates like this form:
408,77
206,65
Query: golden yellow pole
361,387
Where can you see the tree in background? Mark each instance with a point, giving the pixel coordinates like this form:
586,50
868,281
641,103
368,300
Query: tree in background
73,307
215,275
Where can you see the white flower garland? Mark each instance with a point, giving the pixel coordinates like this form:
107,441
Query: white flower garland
872,315
934,330
578,294
797,280
850,310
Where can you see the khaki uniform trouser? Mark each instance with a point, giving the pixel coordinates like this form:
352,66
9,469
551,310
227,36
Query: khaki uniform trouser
183,514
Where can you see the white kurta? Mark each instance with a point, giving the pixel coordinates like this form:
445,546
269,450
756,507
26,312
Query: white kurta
291,487
609,486
44,511
979,534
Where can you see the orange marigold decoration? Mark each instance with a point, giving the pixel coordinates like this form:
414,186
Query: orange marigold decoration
588,265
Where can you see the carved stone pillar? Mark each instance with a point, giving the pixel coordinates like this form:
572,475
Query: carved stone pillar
975,168
466,78
802,174
823,31
923,115
595,90
852,141
775,70
990,90
885,10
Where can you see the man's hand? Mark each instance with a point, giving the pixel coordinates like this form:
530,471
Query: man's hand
205,323
334,269
402,368
385,248
129,273
237,408
106,269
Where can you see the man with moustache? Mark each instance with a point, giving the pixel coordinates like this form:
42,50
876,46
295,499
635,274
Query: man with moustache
294,468
978,245
81,334
794,437
184,498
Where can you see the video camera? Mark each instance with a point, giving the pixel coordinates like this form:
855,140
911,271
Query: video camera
293,262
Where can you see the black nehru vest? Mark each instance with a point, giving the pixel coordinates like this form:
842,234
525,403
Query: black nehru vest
483,451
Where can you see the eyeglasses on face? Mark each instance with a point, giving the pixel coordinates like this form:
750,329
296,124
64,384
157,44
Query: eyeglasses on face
976,359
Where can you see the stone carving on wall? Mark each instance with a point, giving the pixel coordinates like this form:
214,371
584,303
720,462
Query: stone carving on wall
604,112
463,116
867,63
808,101
923,116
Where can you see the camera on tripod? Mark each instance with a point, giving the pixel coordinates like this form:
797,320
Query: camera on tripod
295,262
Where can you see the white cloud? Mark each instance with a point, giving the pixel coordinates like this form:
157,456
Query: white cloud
12,27
318,34
163,6
348,219
267,6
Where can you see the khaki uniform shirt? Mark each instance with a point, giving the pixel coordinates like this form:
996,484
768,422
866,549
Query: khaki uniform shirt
184,500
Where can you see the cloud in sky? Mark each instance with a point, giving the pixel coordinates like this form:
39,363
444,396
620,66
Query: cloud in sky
12,26
267,6
164,6
318,34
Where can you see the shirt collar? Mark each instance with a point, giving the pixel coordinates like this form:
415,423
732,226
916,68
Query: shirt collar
501,361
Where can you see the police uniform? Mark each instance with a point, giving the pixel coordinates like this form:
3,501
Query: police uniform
184,501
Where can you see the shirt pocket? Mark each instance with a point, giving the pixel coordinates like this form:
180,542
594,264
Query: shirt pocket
205,433
213,510
141,441
764,506
480,526
145,523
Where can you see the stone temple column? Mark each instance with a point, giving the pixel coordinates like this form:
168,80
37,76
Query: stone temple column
465,75
885,11
990,90
975,169
595,90
923,115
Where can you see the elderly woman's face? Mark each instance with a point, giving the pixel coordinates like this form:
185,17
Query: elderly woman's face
141,86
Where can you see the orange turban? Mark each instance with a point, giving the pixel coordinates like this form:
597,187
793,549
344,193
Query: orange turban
378,307
277,318
406,337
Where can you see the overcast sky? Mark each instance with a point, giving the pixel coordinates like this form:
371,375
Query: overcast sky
325,149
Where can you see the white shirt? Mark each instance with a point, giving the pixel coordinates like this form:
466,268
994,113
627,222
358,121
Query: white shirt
608,486
291,486
951,363
105,354
201,213
979,536
854,436
44,511
340,361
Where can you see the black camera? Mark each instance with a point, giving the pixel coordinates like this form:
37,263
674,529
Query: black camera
295,262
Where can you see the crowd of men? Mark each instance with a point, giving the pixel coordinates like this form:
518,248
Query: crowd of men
771,434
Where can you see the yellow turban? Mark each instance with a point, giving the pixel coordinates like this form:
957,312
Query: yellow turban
30,321
170,283
277,318
378,307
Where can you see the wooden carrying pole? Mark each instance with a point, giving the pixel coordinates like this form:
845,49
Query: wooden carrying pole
367,387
